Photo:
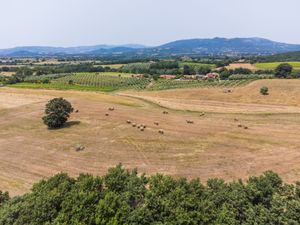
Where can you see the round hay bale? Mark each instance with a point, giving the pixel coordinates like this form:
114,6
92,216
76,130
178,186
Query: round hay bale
128,121
106,114
161,131
79,148
134,125
190,121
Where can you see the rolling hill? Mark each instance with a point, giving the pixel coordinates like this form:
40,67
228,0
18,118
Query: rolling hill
191,47
223,46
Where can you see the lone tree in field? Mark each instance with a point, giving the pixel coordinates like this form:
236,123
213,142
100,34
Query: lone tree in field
264,90
283,70
57,112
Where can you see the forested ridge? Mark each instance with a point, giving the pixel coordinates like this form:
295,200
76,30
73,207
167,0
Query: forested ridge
126,197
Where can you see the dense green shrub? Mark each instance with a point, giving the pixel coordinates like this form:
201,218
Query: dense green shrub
164,65
283,70
136,68
57,112
264,90
124,197
241,71
295,74
4,197
204,70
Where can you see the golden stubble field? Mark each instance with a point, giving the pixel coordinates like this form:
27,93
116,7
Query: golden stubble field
213,146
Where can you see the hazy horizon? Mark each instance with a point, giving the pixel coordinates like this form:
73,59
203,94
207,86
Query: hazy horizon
61,23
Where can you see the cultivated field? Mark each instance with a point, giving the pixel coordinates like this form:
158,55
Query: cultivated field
195,64
7,74
114,66
116,81
233,135
273,65
249,66
261,66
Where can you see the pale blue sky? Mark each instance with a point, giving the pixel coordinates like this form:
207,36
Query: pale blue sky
150,22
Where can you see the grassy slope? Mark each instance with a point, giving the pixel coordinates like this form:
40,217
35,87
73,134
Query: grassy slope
57,86
273,65
194,64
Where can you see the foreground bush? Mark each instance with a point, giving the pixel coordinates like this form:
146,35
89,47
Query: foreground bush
57,112
4,197
264,90
124,197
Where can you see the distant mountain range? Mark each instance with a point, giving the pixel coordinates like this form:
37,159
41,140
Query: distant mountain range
191,47
80,50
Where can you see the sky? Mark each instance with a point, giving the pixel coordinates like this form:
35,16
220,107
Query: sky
151,22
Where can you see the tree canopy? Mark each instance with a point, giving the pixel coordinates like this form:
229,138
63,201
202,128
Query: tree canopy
125,197
57,112
283,70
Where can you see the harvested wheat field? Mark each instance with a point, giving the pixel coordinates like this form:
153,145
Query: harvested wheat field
7,74
203,133
249,66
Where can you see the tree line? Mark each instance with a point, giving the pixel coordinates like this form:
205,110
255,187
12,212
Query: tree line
149,69
125,197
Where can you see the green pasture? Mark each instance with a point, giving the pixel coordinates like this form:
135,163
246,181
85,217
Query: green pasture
273,65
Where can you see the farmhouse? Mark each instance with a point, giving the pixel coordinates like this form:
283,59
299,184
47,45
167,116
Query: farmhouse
211,76
165,76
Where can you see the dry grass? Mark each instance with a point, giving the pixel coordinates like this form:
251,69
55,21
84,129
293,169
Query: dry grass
284,97
7,74
114,66
214,146
242,65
